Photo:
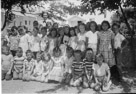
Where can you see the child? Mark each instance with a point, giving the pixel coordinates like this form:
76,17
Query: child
92,36
66,35
118,40
82,40
72,43
52,40
38,69
56,73
18,64
101,74
77,69
105,44
88,68
47,66
68,61
6,63
28,65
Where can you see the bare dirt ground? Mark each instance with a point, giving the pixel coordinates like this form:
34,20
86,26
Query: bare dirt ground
18,86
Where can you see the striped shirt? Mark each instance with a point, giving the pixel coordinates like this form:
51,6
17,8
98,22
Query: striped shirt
88,65
77,68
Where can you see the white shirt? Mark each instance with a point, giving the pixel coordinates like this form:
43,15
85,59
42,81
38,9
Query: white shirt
92,37
118,40
81,37
35,45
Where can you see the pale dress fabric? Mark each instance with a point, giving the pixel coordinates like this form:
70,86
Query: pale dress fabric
72,42
44,43
56,73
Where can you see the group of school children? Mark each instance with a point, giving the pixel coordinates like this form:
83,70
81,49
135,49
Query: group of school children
70,56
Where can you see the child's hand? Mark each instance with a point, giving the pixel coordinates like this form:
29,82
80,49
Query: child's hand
35,75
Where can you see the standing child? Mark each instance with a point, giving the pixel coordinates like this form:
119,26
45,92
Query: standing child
47,66
101,74
72,41
56,73
6,63
88,68
119,38
92,36
28,65
18,64
38,69
77,69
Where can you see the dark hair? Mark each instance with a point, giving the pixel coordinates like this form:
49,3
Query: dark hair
29,51
106,22
78,52
35,23
99,55
69,49
93,22
56,49
20,50
13,28
28,31
44,28
68,31
53,29
72,28
81,24
115,24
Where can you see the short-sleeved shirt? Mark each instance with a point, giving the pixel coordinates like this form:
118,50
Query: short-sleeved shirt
88,65
28,65
92,37
6,61
118,40
77,68
101,70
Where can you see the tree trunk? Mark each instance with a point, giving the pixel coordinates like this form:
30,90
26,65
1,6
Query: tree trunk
5,22
131,39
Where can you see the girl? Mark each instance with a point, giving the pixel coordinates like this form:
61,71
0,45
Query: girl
47,66
92,36
23,43
72,41
101,74
13,42
68,61
66,35
35,42
106,43
88,68
6,63
18,64
38,69
52,40
44,40
77,69
28,66
56,73
81,38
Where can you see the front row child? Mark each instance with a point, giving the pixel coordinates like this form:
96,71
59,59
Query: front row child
6,63
18,64
28,66
101,74
88,68
77,69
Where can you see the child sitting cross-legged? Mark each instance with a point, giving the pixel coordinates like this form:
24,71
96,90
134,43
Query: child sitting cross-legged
77,69
47,66
18,64
28,66
38,68
101,74
88,68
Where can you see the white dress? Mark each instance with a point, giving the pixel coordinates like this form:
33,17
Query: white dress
44,43
72,42
56,73
24,43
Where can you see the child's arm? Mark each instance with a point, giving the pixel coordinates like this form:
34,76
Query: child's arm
23,68
109,75
126,43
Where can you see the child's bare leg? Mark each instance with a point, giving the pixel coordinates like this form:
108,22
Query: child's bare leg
15,75
20,75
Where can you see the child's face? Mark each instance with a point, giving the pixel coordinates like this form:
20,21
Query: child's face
29,56
115,29
69,54
5,50
92,26
105,26
46,57
99,60
57,54
19,54
38,56
61,32
66,30
82,28
89,55
78,56
72,32
53,33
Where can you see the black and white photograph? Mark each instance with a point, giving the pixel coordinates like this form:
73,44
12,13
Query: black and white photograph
68,46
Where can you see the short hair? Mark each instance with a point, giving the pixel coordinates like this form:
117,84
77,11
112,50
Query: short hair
29,51
99,55
88,49
78,52
105,22
69,50
115,24
93,22
20,50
